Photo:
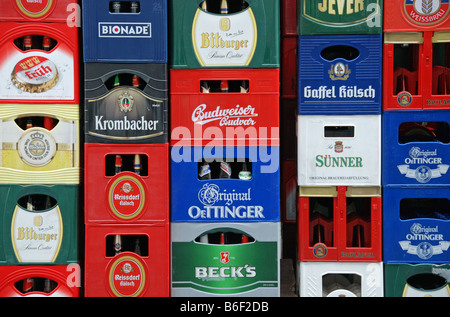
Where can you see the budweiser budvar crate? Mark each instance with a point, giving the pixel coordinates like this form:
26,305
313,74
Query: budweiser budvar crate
340,74
339,224
39,144
126,183
39,63
127,260
39,11
125,31
416,224
416,147
39,224
340,17
126,103
416,15
226,104
339,150
231,259
224,34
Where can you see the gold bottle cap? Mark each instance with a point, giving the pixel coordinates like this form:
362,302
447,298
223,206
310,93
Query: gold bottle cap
35,74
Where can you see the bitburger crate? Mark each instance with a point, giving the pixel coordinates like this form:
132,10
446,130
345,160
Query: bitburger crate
61,11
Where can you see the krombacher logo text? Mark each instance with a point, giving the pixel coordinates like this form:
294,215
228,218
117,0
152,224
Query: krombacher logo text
125,124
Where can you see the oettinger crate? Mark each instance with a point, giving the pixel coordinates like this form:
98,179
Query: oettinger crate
416,224
42,10
126,183
246,34
339,224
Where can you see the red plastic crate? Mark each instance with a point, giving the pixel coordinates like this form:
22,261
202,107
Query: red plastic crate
289,15
44,10
144,275
343,235
126,197
289,67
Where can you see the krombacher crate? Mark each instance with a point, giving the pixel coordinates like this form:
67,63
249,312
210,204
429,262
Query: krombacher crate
126,103
39,224
340,17
246,34
39,144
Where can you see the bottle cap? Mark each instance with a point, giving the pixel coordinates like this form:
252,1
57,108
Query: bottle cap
35,74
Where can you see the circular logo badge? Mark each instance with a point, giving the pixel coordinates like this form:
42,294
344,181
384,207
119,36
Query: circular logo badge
404,99
209,194
126,196
424,250
426,12
126,276
34,9
36,147
423,174
320,250
35,74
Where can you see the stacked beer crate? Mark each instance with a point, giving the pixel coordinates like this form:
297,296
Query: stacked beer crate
416,157
339,149
224,118
126,148
39,149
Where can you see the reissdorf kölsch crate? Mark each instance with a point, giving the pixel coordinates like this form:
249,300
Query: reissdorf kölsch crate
225,184
125,31
340,74
227,104
232,33
39,224
126,183
340,17
417,280
127,260
231,259
42,10
126,103
416,148
416,224
416,70
40,280
39,144
342,150
39,63
416,15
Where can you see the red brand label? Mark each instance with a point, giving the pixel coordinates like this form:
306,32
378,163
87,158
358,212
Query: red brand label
126,196
127,276
34,8
426,12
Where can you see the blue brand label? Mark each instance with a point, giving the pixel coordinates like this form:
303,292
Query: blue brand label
128,30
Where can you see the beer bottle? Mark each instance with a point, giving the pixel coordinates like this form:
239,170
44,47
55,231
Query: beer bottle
118,164
27,42
46,43
137,164
225,170
204,6
48,123
48,285
204,171
222,238
204,238
244,238
116,6
224,7
116,81
137,246
205,87
28,285
29,123
224,86
134,7
136,82
245,174
117,244
244,87
30,205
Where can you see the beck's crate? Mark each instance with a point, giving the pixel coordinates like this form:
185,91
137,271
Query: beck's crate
339,224
225,184
416,223
226,104
126,103
416,148
39,64
340,74
416,15
39,224
125,31
40,280
61,11
340,17
416,70
339,150
39,144
334,279
244,35
417,280
231,259
126,183
139,268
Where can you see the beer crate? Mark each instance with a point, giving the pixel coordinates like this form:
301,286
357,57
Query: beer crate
245,35
289,191
39,63
416,224
137,264
39,224
225,184
335,279
39,11
339,150
339,224
40,280
417,280
230,259
288,23
136,192
416,15
39,144
207,105
125,31
416,148
289,67
288,128
416,72
340,74
126,103
340,17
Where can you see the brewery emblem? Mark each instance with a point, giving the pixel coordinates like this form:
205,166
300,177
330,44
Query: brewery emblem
36,147
339,71
338,147
35,74
404,99
426,12
225,257
126,102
